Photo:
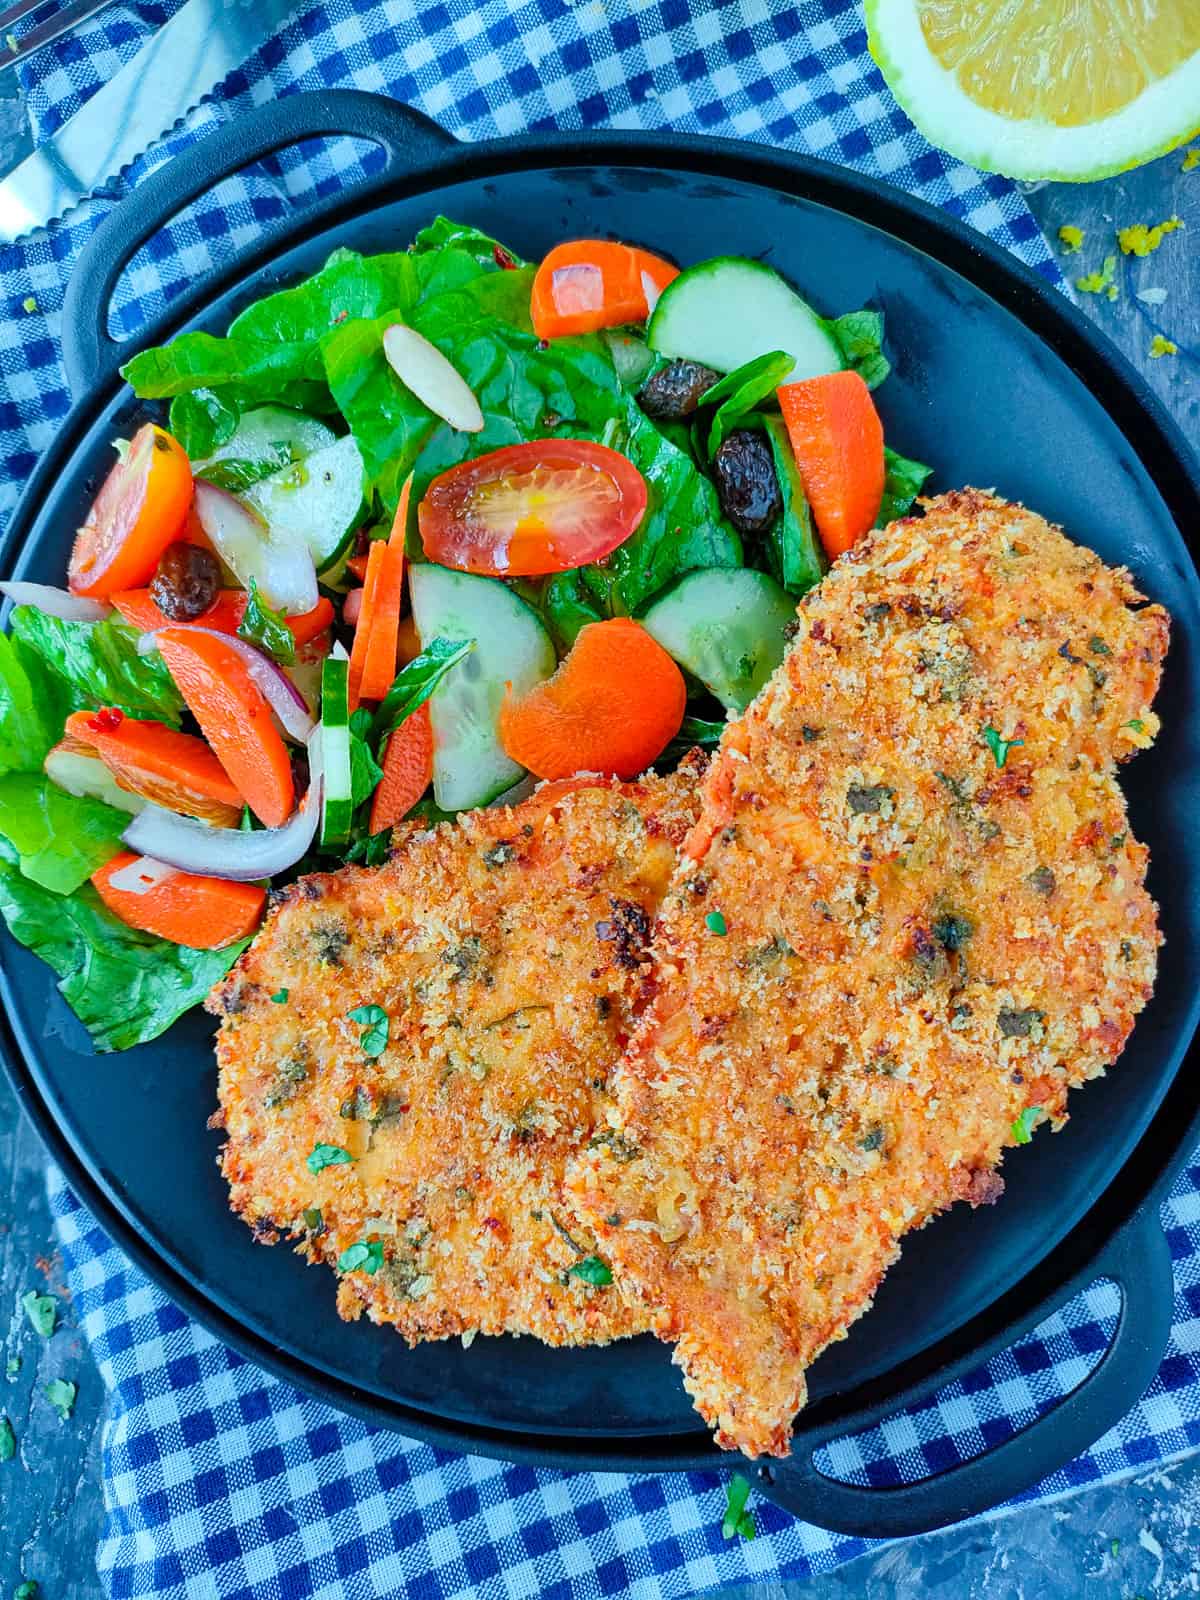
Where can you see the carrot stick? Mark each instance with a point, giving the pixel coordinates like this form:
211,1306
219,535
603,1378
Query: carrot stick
837,439
362,631
379,666
204,913
407,770
173,769
234,717
614,704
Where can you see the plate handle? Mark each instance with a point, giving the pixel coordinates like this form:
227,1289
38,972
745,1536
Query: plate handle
410,142
1138,1260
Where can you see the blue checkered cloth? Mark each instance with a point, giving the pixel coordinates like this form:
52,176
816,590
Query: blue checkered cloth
220,1481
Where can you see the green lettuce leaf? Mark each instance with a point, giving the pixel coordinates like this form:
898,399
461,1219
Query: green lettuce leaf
27,699
126,987
859,336
90,664
60,838
566,607
794,552
237,473
415,682
267,629
443,235
202,421
902,483
365,771
740,391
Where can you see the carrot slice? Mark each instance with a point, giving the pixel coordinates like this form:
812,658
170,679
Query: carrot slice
837,439
234,717
173,769
138,608
407,770
383,625
140,510
613,705
204,913
585,285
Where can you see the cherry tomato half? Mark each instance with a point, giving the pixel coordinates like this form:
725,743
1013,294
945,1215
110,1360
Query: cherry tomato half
141,509
531,509
594,283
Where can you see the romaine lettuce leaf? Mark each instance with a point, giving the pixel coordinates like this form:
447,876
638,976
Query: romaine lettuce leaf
740,391
441,234
27,725
795,554
902,483
202,421
90,664
60,838
126,987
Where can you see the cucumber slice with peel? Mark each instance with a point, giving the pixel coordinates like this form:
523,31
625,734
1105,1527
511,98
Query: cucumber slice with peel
317,502
511,647
261,432
726,627
337,802
725,312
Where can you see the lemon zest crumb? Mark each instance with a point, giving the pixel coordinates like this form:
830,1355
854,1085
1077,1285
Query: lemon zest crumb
1160,345
1072,238
1191,161
1139,240
1100,282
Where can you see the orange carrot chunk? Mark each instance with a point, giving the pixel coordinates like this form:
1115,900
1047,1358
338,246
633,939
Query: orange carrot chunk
837,439
407,770
235,719
173,769
204,913
138,608
379,662
585,285
613,705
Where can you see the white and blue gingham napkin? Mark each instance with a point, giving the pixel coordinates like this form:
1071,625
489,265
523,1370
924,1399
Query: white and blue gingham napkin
218,1480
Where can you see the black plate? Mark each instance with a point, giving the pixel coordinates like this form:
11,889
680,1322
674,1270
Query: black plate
997,383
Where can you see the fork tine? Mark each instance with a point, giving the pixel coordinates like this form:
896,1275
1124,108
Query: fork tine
62,21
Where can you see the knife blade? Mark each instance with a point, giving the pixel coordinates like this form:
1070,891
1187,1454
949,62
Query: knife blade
185,60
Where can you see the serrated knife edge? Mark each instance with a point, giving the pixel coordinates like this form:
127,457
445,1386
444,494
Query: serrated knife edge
173,73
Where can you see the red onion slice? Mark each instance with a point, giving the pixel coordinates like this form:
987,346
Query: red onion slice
227,852
423,369
142,875
55,602
278,690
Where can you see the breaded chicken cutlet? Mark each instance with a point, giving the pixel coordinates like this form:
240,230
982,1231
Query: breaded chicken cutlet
506,956
911,918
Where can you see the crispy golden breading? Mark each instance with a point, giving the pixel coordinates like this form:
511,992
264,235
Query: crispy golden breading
894,937
510,954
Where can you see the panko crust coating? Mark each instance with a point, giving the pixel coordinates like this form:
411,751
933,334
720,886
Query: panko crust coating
509,952
913,916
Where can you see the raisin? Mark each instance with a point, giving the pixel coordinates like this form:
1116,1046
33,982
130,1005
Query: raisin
186,581
674,391
747,487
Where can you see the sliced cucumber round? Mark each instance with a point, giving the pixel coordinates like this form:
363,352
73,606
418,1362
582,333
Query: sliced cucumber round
511,646
726,312
317,502
262,432
726,627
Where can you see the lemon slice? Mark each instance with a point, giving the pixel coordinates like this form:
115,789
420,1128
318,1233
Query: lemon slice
1070,89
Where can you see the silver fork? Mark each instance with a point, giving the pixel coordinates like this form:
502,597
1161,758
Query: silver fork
62,21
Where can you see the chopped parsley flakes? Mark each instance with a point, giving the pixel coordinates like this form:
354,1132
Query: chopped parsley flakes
42,1311
279,998
1100,282
998,745
738,1522
327,1155
1160,345
715,923
61,1394
362,1257
1022,1128
592,1270
375,1026
1139,240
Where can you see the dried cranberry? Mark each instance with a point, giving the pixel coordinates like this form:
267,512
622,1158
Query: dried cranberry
502,258
107,720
